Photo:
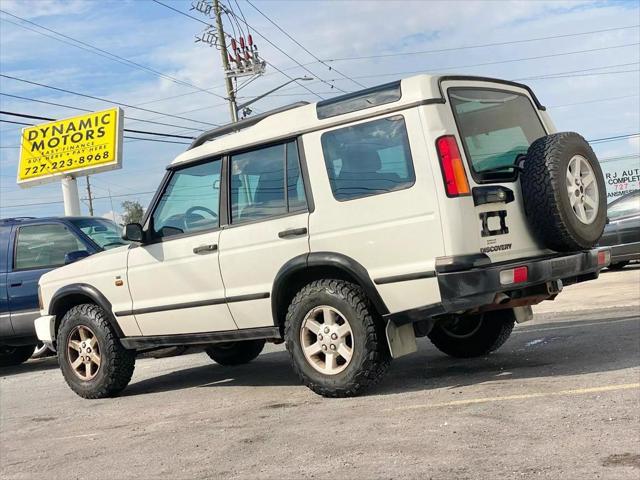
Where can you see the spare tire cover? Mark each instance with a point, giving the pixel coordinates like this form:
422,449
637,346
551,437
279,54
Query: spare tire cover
564,192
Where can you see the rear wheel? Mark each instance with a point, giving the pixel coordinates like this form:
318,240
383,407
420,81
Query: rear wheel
10,356
473,335
235,353
335,339
93,361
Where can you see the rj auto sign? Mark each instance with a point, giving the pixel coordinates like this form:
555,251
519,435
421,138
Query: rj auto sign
76,146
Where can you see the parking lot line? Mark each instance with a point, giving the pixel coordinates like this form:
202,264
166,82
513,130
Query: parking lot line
560,327
525,396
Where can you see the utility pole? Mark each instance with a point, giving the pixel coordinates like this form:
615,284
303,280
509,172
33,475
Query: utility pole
89,197
231,96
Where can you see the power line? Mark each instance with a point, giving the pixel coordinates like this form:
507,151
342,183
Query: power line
616,137
511,60
36,117
61,201
292,59
593,101
263,37
88,110
105,53
106,100
553,77
302,46
2,120
495,44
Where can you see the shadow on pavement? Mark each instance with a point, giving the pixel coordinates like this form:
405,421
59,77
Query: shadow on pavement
580,347
30,366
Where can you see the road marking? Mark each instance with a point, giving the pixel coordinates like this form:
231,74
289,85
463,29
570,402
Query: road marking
525,396
600,322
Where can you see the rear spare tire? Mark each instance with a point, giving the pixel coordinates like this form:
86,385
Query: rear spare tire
564,192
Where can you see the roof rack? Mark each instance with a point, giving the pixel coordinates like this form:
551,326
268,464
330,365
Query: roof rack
240,125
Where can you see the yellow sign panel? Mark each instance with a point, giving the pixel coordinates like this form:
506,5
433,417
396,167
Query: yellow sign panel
75,146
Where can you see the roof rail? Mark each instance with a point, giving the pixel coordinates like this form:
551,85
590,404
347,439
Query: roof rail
15,219
240,125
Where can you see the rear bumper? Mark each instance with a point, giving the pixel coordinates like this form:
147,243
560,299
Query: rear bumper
470,282
624,252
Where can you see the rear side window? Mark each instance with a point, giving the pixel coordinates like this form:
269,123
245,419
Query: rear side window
266,182
44,246
368,159
495,126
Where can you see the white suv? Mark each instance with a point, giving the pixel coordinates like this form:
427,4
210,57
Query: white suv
442,206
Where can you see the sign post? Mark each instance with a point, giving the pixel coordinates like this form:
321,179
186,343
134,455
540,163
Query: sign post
66,149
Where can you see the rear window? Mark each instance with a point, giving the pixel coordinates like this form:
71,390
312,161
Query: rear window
495,126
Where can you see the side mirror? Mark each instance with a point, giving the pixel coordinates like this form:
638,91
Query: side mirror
133,232
75,256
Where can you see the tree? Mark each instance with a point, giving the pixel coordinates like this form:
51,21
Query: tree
133,211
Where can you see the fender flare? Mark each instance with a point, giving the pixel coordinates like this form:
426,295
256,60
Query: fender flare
325,259
88,291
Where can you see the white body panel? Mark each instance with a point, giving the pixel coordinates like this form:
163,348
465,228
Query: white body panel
389,234
250,257
101,272
170,273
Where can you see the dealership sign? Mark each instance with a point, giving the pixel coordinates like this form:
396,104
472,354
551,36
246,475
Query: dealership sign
621,176
75,146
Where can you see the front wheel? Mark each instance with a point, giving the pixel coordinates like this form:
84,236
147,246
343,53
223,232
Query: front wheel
11,356
473,335
93,361
335,339
235,353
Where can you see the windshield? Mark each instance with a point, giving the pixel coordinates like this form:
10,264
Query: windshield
495,126
102,231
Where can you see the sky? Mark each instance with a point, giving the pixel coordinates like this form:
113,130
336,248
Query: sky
588,76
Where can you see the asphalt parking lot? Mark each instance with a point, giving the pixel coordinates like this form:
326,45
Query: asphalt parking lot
560,400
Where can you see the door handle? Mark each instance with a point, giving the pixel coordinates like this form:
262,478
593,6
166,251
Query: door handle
293,232
17,284
205,248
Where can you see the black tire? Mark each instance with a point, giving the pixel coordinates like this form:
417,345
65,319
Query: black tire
235,353
618,265
370,354
473,335
117,363
11,356
546,199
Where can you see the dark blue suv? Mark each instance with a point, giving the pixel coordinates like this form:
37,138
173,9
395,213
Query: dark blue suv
30,247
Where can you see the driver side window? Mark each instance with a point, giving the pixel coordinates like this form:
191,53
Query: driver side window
190,202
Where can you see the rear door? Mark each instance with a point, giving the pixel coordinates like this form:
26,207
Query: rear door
268,226
494,124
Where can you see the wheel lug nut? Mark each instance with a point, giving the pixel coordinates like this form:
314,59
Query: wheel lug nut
84,344
324,347
319,336
334,336
326,329
333,347
89,350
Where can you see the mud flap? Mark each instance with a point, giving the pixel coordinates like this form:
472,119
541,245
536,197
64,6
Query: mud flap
401,339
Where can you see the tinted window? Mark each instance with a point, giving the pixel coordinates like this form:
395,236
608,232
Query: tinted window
495,126
42,246
259,188
190,203
102,231
368,159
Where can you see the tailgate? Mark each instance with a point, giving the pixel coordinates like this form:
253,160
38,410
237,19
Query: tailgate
495,125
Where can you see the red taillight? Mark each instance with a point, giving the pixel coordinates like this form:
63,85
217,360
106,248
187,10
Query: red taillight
455,178
604,257
514,275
